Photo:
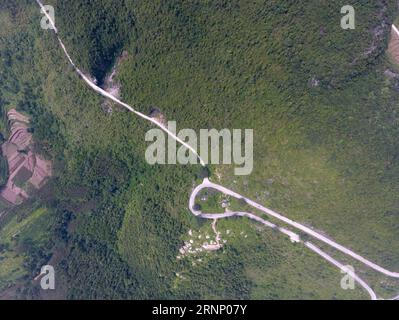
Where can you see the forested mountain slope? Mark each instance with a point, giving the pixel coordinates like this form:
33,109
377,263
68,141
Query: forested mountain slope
324,114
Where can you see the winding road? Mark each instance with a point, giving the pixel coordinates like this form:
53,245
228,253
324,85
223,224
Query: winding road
208,184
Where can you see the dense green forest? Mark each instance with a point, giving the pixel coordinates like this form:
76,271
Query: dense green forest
326,145
3,171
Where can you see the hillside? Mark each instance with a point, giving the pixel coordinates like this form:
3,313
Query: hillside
318,98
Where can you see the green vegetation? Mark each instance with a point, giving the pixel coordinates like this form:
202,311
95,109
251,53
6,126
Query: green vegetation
325,154
3,170
23,245
22,177
211,201
103,28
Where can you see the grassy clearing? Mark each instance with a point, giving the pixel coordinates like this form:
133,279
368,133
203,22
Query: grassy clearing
17,226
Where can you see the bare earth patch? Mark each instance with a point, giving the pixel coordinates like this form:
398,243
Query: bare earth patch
26,168
393,48
111,85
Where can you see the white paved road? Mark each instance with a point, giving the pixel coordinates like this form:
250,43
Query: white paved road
207,184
